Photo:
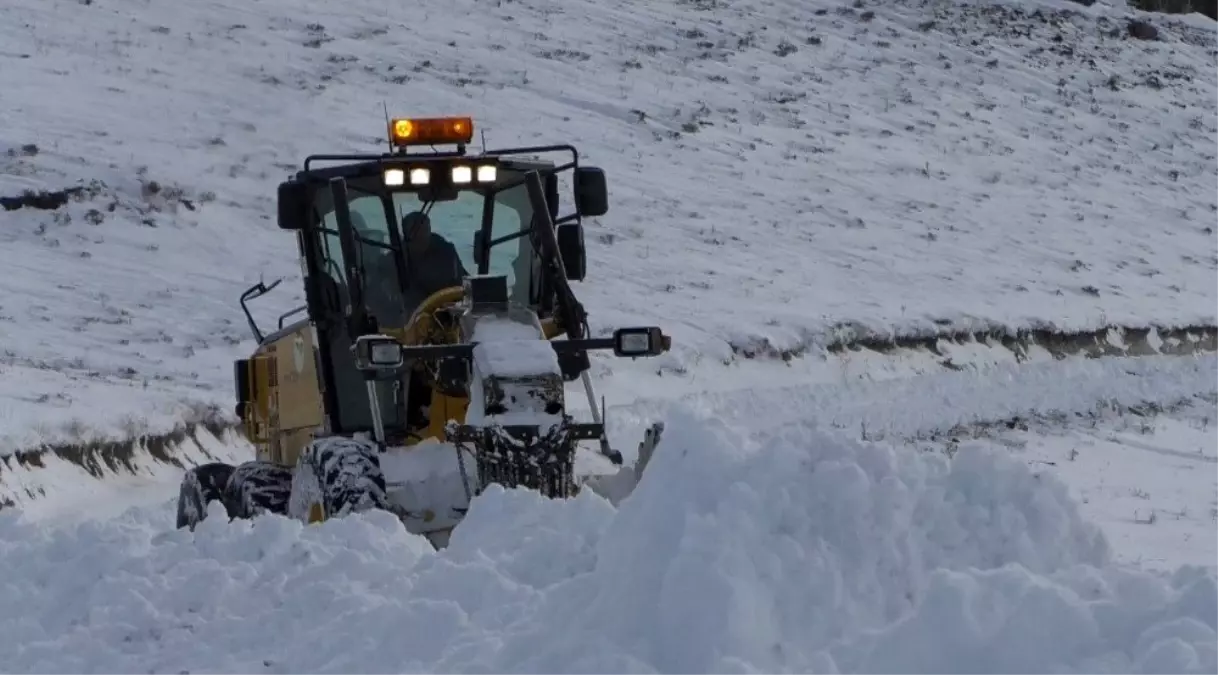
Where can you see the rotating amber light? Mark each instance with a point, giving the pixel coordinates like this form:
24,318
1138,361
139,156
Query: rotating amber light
431,131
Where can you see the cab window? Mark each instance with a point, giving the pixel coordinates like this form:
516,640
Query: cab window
459,220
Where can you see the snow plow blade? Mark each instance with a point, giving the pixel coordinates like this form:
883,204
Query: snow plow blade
617,486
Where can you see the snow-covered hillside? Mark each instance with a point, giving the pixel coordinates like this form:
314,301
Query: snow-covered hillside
785,175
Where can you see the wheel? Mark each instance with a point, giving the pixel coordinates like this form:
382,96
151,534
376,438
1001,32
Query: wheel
201,485
336,476
258,487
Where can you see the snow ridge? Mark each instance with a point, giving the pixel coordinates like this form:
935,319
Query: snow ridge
805,553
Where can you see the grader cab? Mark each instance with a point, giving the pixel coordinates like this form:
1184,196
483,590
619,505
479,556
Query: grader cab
439,331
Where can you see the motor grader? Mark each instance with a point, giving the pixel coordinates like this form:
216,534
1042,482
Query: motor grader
386,395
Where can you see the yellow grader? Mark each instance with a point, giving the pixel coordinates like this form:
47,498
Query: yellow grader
411,391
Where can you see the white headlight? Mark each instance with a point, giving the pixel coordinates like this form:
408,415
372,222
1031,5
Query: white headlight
462,174
420,176
377,352
487,174
395,177
385,354
634,343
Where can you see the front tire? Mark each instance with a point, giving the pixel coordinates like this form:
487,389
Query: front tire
256,488
336,476
202,485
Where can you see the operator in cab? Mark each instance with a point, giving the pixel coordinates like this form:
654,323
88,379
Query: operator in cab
432,262
383,296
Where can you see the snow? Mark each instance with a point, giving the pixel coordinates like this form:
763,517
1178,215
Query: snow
1145,477
945,400
783,175
858,183
427,476
54,488
506,347
805,552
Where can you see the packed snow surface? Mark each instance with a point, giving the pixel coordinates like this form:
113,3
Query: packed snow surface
805,553
782,173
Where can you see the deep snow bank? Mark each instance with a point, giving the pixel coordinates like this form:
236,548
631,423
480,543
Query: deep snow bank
806,554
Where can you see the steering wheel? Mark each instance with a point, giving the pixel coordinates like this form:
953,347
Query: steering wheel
427,327
424,323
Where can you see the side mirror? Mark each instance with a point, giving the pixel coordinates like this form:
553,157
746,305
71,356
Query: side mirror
571,248
293,205
591,192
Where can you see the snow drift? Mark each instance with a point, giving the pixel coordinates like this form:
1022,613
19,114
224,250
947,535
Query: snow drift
807,553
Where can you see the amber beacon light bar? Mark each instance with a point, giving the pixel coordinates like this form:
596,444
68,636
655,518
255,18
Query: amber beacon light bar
410,131
405,132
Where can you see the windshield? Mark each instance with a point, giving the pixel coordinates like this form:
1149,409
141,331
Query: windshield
453,228
391,297
458,221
